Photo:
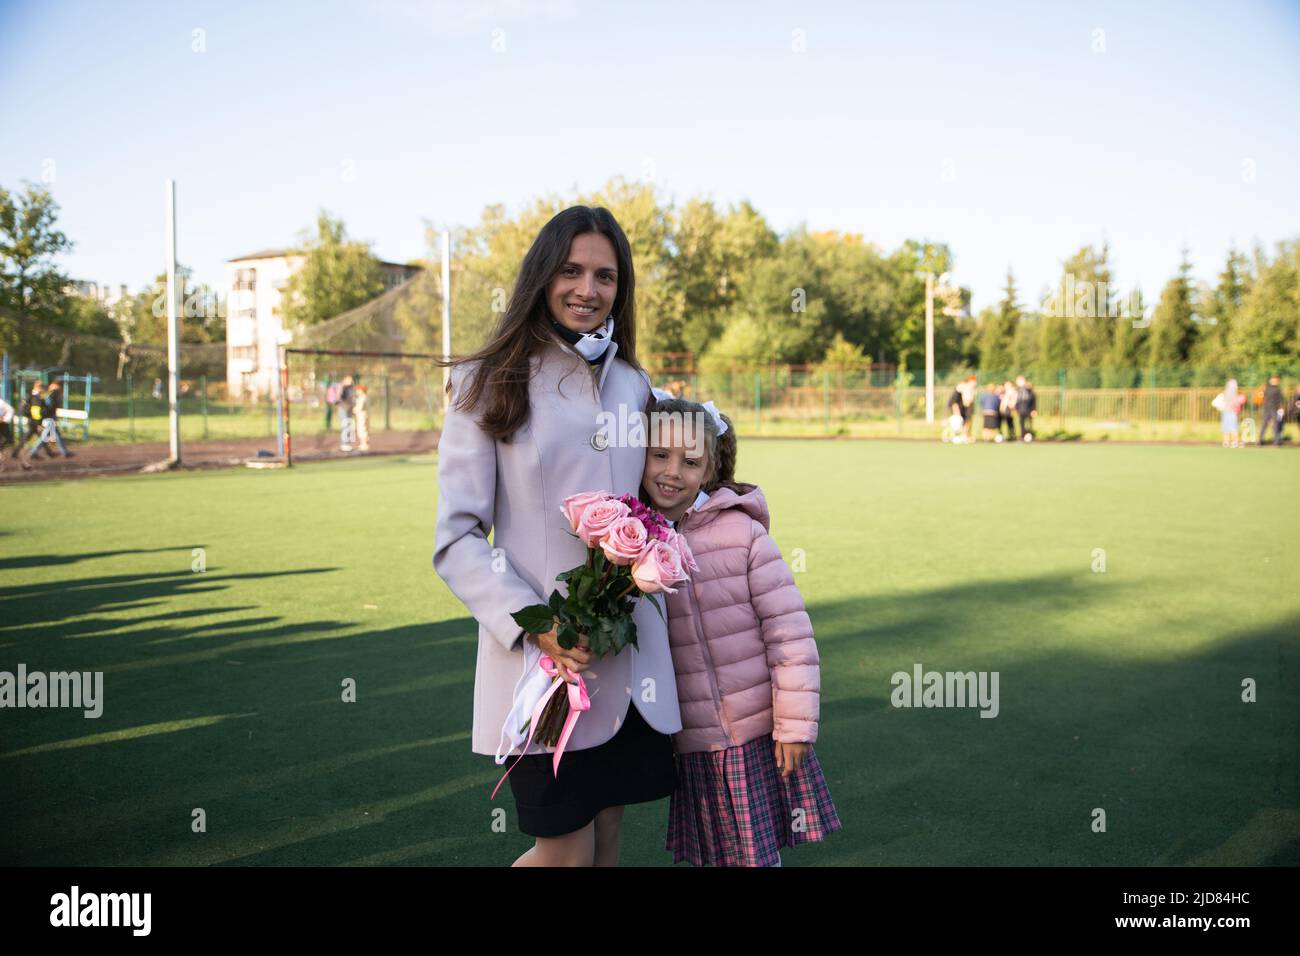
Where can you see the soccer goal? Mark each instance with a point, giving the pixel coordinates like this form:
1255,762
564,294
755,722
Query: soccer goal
352,402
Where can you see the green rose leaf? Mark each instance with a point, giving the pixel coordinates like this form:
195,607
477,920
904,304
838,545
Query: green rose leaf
535,619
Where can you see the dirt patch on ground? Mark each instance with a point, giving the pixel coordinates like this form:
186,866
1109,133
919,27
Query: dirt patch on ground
88,461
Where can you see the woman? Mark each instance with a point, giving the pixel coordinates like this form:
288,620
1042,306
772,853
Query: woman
1229,403
523,431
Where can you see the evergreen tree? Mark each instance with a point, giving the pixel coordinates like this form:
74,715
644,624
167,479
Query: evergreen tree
1173,330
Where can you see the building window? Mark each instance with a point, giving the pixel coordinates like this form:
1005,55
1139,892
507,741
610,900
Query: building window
244,352
246,279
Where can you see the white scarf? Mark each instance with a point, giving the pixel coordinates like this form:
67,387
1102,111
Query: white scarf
592,345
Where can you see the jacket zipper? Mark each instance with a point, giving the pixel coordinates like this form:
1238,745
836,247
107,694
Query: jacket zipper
704,644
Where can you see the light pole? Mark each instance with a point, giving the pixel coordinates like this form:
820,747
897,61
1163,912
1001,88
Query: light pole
949,293
446,311
173,334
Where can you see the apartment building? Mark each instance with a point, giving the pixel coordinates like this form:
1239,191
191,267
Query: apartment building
255,329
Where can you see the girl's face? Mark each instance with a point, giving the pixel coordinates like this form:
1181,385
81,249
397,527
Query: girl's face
674,473
582,294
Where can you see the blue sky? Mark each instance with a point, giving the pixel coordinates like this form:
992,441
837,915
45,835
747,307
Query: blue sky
1000,128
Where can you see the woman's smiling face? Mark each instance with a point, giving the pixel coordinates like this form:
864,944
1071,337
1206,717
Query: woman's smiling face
582,293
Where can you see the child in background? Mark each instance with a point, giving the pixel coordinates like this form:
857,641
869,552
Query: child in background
748,674
361,409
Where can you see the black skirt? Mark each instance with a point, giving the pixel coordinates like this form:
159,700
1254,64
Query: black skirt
636,765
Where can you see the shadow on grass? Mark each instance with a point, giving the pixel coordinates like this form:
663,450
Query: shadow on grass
252,730
48,560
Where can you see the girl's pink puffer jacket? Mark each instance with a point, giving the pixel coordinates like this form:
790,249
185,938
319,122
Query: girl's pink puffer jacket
741,641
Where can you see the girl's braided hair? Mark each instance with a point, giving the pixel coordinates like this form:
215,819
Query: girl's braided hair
720,450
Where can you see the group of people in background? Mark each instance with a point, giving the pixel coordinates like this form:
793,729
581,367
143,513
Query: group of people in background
349,396
40,410
1001,406
1275,411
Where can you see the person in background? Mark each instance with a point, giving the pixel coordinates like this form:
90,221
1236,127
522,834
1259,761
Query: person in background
347,427
1026,407
7,416
1228,403
361,409
1295,406
990,402
957,414
33,411
50,419
967,390
1274,413
1007,411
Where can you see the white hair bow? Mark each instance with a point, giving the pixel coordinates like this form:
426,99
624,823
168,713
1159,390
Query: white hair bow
716,416
663,395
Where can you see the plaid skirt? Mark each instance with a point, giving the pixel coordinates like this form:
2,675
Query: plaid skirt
733,808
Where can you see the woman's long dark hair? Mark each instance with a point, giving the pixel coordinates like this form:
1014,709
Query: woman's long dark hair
524,328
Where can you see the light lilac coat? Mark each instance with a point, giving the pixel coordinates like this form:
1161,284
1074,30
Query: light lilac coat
742,642
514,490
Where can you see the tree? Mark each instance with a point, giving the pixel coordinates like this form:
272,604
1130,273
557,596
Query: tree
1266,334
998,329
1221,307
710,257
30,284
1120,368
779,313
1172,334
338,275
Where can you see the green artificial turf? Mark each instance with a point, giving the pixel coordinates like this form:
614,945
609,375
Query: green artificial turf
1119,690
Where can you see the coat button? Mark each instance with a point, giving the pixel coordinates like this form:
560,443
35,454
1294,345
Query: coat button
600,441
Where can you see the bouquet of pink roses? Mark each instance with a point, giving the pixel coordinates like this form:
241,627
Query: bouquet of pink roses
632,551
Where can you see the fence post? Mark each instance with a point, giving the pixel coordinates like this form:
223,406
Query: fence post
387,425
898,401
130,411
1151,389
203,398
826,399
1060,411
758,401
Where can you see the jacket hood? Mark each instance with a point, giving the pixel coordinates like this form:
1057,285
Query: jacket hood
746,497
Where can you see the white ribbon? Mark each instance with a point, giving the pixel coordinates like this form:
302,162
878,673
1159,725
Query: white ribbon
663,395
716,416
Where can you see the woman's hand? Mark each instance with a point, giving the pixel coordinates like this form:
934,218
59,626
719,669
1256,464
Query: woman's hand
790,757
569,662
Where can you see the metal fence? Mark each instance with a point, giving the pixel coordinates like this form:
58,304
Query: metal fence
792,399
768,399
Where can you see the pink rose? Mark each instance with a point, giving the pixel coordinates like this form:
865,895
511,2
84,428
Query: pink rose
678,542
597,519
657,569
625,540
575,505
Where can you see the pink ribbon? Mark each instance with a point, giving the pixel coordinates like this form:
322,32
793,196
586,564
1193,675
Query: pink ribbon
578,702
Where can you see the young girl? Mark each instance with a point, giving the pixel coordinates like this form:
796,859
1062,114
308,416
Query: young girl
747,670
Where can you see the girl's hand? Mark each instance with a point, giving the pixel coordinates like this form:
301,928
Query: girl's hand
569,662
790,757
